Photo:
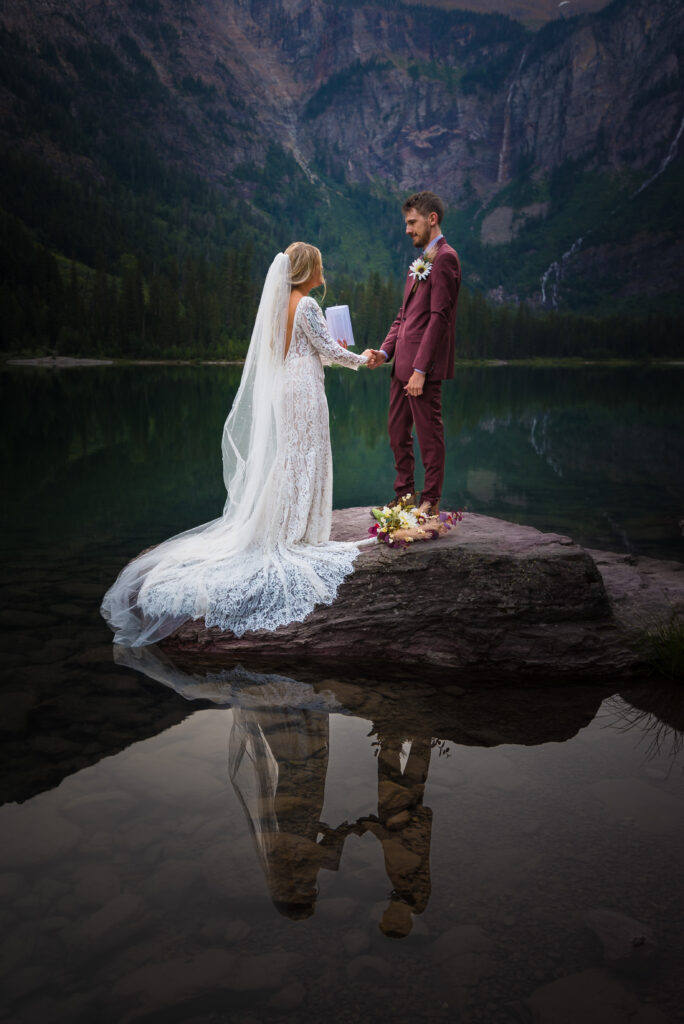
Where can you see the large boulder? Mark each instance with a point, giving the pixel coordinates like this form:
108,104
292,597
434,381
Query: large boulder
492,600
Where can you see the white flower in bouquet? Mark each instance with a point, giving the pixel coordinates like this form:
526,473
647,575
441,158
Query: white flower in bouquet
407,519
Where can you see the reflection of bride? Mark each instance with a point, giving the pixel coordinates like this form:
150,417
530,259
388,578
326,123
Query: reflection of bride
278,760
268,560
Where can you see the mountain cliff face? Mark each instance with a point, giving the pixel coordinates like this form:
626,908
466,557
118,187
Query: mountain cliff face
557,152
532,13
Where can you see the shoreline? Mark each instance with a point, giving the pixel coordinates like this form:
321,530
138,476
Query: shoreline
69,362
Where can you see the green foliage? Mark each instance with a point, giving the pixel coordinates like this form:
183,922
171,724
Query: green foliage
341,84
662,645
142,258
599,207
190,309
489,75
485,331
196,86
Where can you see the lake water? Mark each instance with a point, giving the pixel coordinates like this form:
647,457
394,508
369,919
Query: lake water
203,844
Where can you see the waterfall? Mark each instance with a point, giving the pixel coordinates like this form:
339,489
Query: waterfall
665,162
554,275
506,136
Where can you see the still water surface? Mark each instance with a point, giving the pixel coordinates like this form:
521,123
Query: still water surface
207,844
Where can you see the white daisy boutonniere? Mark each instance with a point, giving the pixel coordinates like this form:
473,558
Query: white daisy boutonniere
420,269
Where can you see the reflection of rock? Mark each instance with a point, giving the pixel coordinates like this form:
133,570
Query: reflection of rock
72,717
479,717
493,600
103,722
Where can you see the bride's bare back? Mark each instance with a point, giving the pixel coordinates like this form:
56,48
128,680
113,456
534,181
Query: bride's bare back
295,297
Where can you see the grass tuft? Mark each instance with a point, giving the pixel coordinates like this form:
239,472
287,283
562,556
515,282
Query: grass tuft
662,644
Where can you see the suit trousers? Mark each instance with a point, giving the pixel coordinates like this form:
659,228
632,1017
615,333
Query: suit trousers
425,411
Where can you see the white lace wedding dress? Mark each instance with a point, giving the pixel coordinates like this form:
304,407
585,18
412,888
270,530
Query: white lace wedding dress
269,559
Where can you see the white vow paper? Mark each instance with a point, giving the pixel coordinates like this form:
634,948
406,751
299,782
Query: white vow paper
339,324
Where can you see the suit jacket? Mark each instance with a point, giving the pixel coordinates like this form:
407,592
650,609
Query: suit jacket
423,334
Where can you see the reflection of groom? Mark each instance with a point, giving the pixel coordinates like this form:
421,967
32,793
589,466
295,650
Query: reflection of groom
404,828
421,344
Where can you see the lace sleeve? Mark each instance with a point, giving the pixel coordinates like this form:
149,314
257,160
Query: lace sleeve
317,333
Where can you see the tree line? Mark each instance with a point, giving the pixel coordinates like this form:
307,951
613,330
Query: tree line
188,308
488,331
195,307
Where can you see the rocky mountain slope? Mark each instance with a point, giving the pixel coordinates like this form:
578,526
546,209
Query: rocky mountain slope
532,13
557,152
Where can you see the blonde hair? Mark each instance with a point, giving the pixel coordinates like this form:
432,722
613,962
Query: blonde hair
305,260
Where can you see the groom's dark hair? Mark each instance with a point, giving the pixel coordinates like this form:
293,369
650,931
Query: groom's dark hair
425,203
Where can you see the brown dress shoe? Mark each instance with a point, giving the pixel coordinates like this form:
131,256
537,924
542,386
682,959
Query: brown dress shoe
429,508
409,499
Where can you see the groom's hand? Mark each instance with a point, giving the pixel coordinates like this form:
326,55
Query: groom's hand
373,357
415,384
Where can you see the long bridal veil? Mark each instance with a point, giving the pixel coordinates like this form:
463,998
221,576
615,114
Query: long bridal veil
228,570
249,443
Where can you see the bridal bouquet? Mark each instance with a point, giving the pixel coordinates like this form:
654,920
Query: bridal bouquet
404,523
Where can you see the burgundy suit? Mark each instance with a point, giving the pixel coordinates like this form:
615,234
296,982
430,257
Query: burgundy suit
422,337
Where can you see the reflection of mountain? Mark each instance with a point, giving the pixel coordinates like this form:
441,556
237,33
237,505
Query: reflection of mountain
102,442
95,439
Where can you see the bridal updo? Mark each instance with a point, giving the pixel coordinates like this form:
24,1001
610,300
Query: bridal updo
305,260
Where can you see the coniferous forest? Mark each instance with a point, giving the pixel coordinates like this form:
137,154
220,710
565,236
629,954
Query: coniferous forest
119,253
193,308
141,283
114,244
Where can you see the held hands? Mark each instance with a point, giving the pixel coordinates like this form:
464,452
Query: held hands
374,357
415,384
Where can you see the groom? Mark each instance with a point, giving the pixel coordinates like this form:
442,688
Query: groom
420,343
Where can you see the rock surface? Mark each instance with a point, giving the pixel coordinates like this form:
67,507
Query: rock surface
492,599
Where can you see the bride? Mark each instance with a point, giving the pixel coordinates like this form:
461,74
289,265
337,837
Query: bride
268,560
